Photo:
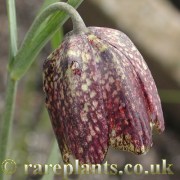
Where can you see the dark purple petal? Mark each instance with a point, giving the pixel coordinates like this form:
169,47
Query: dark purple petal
79,102
124,45
100,92
125,104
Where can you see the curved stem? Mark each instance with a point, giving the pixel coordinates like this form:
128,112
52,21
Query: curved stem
78,23
36,38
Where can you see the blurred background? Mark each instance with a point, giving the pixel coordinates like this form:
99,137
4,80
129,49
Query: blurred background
154,27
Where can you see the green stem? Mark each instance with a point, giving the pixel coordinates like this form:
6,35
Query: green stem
6,125
21,65
12,29
7,118
78,23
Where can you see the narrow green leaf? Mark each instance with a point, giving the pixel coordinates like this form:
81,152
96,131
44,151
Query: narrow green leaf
57,39
12,28
54,158
47,3
33,45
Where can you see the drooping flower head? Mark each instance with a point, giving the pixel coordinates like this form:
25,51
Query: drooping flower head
100,93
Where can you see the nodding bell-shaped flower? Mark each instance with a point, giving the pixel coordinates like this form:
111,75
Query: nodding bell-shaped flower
100,93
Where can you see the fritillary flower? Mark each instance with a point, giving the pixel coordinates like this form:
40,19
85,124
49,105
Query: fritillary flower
100,93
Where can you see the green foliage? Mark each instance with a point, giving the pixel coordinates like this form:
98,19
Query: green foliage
36,38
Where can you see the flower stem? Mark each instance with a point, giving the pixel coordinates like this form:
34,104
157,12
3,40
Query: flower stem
6,124
12,29
78,23
7,118
30,46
